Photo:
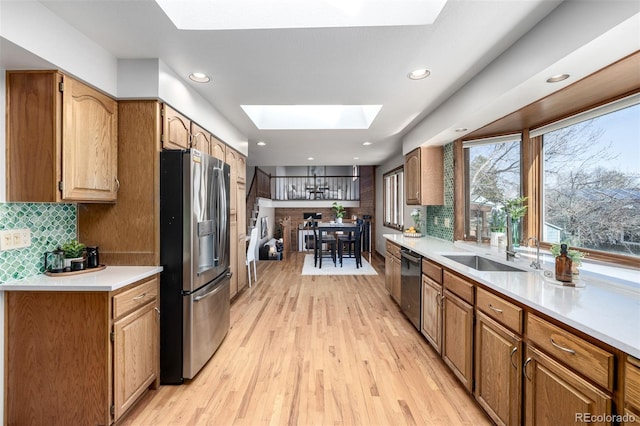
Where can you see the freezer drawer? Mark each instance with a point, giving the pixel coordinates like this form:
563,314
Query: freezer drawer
206,323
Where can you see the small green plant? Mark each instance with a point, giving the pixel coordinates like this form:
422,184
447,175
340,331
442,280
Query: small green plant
338,210
515,207
416,215
73,249
576,256
498,220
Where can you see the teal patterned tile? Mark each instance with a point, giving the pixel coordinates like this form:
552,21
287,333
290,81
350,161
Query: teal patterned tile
50,224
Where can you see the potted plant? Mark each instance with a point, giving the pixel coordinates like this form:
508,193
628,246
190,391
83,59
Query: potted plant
497,224
339,211
576,257
416,215
73,250
515,208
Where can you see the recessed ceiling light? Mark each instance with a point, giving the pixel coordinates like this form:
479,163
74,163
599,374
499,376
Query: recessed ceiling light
419,74
558,77
199,77
356,158
461,129
366,143
261,143
310,158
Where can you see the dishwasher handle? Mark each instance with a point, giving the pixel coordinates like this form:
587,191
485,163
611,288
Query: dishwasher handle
410,256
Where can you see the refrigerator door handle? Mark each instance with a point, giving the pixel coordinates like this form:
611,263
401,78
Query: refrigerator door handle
208,294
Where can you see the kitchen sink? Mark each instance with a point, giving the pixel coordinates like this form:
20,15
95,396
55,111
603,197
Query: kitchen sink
481,263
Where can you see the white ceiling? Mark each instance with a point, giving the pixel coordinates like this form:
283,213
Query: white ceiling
348,66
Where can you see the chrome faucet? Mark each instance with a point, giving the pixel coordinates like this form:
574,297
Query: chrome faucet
511,253
536,263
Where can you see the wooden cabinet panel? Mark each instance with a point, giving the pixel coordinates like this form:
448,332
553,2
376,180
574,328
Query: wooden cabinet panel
499,309
218,149
388,271
554,395
135,356
200,139
432,270
498,361
424,176
232,158
396,285
233,250
632,390
457,337
241,165
135,297
458,286
432,299
586,358
62,141
175,129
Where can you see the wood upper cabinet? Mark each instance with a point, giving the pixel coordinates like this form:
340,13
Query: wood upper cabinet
424,176
80,357
176,128
231,160
498,372
200,139
554,395
62,140
241,165
218,149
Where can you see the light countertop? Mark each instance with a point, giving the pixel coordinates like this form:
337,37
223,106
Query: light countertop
109,279
606,308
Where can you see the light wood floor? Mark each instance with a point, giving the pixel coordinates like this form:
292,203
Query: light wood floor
311,350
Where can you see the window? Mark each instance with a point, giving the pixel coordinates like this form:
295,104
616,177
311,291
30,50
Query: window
492,175
591,180
394,198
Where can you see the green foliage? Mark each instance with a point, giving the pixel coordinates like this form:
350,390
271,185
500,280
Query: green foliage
498,220
576,256
416,215
338,210
73,249
515,207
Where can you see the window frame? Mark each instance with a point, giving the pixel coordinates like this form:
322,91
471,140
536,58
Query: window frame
399,193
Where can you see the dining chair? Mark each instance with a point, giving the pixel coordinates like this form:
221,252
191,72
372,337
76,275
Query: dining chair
251,254
321,239
353,242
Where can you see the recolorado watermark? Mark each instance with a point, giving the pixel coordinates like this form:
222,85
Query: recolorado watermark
605,418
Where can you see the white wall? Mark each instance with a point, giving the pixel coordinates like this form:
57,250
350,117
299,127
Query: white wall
389,165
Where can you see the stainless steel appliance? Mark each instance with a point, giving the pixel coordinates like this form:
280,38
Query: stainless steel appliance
194,251
410,286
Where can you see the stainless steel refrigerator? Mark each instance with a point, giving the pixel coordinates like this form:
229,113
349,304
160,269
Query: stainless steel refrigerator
194,251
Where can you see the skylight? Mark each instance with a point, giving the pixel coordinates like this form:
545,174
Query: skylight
316,117
262,14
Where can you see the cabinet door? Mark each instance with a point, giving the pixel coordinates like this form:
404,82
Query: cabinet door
388,272
89,144
232,159
217,149
241,165
396,284
432,298
233,250
175,129
555,395
200,139
135,348
242,233
498,375
412,177
457,338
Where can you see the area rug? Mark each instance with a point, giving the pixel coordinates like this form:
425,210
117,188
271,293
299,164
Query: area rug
348,267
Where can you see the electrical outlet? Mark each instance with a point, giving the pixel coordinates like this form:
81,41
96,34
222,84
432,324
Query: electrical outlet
15,238
435,220
26,237
447,222
6,240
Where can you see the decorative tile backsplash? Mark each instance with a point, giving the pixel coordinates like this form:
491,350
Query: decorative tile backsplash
440,218
51,225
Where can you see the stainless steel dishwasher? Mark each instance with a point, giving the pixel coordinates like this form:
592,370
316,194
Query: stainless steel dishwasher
410,294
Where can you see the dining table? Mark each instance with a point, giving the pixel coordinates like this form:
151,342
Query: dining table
344,227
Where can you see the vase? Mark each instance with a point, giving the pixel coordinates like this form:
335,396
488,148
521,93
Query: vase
338,220
495,238
515,232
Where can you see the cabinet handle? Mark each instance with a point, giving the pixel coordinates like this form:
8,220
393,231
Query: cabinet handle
140,297
562,348
524,368
498,310
513,351
117,184
157,312
418,194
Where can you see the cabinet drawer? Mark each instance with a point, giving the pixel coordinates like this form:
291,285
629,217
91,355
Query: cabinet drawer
586,358
632,382
432,270
459,286
135,297
500,310
393,249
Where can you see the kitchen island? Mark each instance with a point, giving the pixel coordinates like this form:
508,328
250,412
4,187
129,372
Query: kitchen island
81,349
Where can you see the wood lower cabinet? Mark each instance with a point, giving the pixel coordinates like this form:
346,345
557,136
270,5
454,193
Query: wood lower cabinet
457,337
632,391
62,140
80,357
393,268
554,395
233,249
432,300
498,373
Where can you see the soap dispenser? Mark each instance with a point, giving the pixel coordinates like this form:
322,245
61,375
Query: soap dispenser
563,265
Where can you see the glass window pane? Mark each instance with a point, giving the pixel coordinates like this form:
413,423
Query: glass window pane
591,176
